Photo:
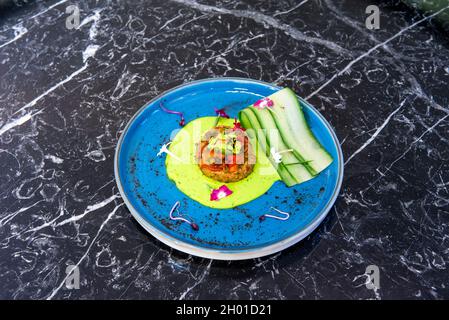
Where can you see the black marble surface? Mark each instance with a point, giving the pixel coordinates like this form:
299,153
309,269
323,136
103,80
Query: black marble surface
66,95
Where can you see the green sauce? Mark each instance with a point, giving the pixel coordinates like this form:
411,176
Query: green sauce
186,174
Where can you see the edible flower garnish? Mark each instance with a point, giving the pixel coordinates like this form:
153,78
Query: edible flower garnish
180,218
182,122
237,125
164,149
277,156
264,103
220,193
284,215
221,113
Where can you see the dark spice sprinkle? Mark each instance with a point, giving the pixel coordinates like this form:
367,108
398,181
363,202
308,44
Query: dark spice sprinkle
322,189
166,224
142,200
262,218
136,183
195,226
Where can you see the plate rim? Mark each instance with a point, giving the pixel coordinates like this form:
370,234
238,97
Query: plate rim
235,254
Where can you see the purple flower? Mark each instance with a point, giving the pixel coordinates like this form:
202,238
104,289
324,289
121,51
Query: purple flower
264,103
221,113
220,193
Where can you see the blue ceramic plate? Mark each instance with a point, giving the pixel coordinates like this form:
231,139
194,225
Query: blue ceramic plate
227,234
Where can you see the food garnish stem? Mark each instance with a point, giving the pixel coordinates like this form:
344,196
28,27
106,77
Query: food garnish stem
285,215
180,218
277,154
284,151
181,122
164,149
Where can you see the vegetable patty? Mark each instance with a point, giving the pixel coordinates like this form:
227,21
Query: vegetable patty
225,154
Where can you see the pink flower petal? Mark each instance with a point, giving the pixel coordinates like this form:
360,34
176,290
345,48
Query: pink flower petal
220,193
221,113
264,103
237,125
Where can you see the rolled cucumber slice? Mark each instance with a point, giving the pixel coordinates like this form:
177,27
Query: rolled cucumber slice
289,117
260,143
282,126
290,169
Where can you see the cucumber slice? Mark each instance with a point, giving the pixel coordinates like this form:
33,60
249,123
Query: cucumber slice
283,127
290,169
290,119
275,140
256,133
